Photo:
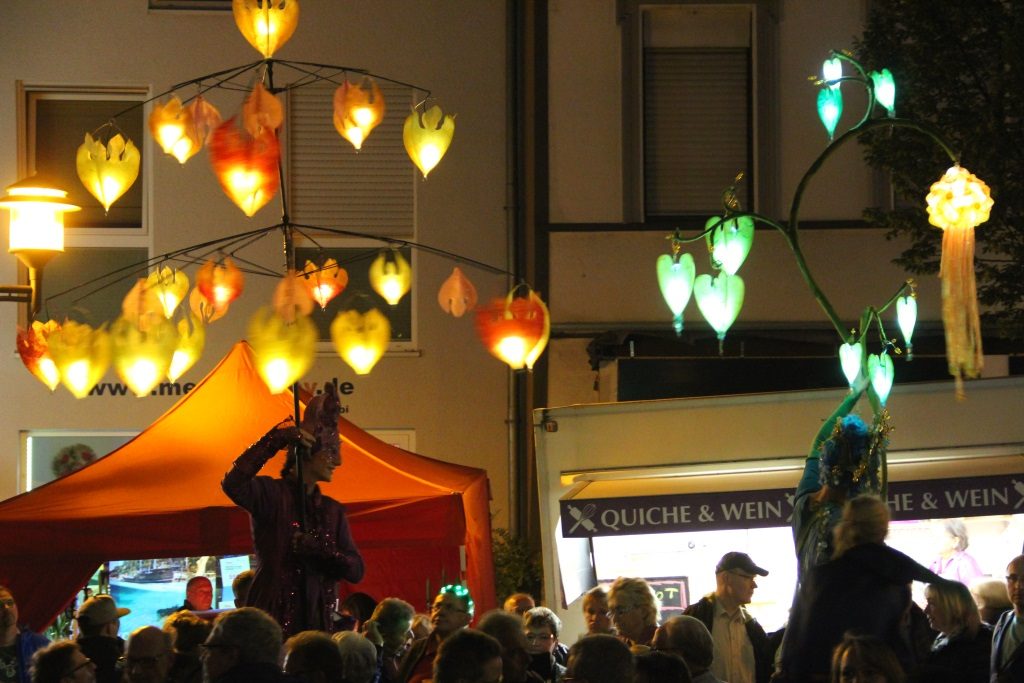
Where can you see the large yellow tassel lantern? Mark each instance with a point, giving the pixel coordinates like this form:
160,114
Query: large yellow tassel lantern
33,347
427,136
266,24
957,203
357,111
82,355
283,350
142,356
107,170
361,339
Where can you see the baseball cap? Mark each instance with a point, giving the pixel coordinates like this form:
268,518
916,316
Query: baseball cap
739,561
99,610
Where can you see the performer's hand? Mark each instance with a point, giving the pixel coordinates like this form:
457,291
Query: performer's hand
304,544
286,433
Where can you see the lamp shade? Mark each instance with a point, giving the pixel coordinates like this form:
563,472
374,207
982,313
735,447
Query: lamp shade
283,351
391,275
720,300
107,171
675,278
730,242
885,90
851,358
266,24
511,328
174,130
142,357
881,374
191,340
427,136
245,166
81,354
34,349
906,316
324,282
291,297
357,110
169,286
37,220
219,285
534,354
830,108
457,294
361,339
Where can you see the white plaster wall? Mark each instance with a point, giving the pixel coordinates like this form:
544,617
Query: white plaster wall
453,393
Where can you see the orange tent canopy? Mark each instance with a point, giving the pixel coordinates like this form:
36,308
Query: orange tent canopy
414,518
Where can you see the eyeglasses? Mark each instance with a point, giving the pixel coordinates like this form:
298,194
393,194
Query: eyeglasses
534,637
7,602
619,610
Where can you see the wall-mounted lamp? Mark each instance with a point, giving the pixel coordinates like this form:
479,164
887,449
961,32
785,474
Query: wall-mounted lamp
37,233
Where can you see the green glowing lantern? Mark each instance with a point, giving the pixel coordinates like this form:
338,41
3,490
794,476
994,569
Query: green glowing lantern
675,278
881,372
720,300
851,357
885,90
730,242
906,314
832,70
830,108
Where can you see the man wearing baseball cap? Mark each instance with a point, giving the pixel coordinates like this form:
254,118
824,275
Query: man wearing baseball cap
742,653
99,620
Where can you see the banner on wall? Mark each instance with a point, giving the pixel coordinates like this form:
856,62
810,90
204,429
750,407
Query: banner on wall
908,500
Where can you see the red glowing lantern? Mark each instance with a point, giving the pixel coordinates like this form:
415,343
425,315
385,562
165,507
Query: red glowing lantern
218,286
245,165
511,328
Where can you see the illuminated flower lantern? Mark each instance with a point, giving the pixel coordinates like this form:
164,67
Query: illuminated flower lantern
390,275
457,294
357,111
730,242
676,273
174,130
361,339
957,203
170,288
881,374
851,358
33,347
325,282
427,136
107,171
142,306
245,165
266,24
283,350
81,354
292,298
831,71
511,328
534,354
720,300
830,108
142,356
218,286
885,90
191,340
906,315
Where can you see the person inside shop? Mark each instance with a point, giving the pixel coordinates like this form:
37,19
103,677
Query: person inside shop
1007,662
954,562
742,653
17,643
99,621
451,612
297,570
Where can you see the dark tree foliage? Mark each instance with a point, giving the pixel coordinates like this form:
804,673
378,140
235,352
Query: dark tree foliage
960,66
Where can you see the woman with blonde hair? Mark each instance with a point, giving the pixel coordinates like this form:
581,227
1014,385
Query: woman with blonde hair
634,608
961,651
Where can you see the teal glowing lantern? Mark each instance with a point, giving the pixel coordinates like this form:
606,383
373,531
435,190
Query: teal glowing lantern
881,372
720,300
832,71
676,273
906,314
730,242
830,108
885,90
851,358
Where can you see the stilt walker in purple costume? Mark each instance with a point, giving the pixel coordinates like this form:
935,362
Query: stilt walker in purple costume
302,538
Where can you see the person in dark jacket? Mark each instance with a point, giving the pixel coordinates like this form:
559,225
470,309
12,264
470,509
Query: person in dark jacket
724,614
244,647
864,589
1007,663
99,621
17,644
960,653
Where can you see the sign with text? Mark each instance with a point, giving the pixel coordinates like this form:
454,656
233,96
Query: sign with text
673,594
930,499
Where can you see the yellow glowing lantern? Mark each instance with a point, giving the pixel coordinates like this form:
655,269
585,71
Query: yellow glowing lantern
107,171
218,285
34,349
511,328
266,24
324,282
390,276
291,297
81,354
141,305
191,340
457,294
284,350
957,203
245,166
542,343
357,111
170,287
174,130
142,356
427,136
361,339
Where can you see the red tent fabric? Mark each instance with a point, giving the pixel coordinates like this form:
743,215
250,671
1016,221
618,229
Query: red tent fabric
159,496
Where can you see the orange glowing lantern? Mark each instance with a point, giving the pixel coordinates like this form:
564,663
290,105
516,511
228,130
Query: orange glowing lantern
218,285
357,111
174,130
81,354
141,305
361,339
205,118
142,356
262,111
391,275
203,309
534,354
191,340
266,24
170,288
245,166
325,282
33,347
291,297
427,136
284,351
511,328
457,295
107,171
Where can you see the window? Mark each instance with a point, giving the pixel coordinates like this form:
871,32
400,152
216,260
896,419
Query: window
49,452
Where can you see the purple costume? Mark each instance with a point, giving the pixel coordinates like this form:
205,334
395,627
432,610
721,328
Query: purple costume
281,573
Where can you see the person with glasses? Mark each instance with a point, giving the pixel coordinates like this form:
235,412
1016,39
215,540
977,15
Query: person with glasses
17,644
451,612
244,647
634,608
742,653
595,612
147,656
547,655
62,662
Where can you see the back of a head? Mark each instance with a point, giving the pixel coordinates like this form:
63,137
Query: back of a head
660,667
601,659
358,657
187,630
991,594
312,652
865,520
51,663
391,612
359,605
463,657
253,632
505,627
240,586
862,653
689,638
519,603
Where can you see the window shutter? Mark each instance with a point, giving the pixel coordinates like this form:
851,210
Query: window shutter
331,185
